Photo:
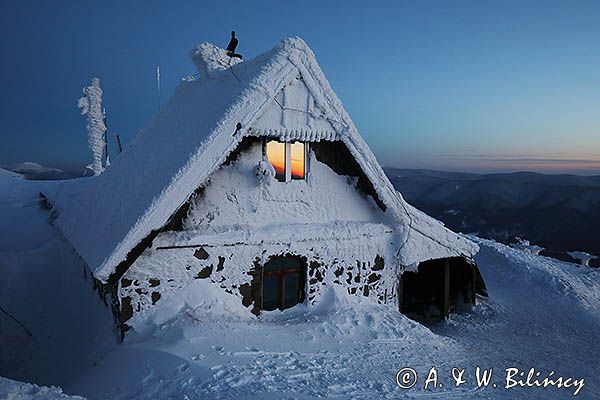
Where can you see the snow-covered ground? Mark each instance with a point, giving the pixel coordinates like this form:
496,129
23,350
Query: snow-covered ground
542,314
14,390
583,257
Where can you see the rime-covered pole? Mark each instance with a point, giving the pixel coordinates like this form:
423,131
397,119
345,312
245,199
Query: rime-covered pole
91,106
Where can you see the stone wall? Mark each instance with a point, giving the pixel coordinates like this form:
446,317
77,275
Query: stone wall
238,271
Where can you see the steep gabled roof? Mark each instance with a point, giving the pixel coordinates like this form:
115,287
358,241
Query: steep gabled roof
193,135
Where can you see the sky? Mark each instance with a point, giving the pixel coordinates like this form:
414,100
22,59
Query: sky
478,86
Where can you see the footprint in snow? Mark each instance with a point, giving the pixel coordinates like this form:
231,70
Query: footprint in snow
220,350
182,368
150,378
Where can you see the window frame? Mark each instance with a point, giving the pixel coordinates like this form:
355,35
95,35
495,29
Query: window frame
288,158
281,275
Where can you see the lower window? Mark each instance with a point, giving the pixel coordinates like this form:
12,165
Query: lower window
283,283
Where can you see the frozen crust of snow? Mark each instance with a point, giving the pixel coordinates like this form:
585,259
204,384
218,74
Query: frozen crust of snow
249,235
14,390
524,245
583,257
235,196
176,268
193,135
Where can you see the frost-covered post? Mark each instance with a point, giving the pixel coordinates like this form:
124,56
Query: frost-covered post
91,106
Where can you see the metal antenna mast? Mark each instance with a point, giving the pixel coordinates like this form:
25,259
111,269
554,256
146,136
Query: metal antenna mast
158,84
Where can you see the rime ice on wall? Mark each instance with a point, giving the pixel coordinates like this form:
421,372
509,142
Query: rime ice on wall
236,198
241,219
295,115
91,106
355,262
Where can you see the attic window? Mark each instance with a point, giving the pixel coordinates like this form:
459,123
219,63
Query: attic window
276,155
288,159
297,160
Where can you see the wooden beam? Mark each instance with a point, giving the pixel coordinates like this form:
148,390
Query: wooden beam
288,161
473,284
446,301
306,158
281,277
400,295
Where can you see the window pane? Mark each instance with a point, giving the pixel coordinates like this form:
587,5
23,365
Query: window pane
297,160
270,293
291,289
276,156
281,264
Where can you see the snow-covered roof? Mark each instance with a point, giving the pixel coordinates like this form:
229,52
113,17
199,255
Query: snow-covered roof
193,135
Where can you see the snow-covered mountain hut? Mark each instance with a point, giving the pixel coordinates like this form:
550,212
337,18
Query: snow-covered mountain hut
255,178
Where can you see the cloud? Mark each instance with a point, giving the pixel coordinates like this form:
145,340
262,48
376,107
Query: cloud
495,162
501,158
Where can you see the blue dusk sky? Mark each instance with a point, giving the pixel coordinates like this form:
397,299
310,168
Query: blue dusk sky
471,86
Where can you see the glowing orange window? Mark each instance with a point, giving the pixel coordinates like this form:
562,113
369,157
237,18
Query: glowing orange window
288,159
276,156
297,160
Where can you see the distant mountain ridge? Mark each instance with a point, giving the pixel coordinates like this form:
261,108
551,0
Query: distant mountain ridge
558,212
37,172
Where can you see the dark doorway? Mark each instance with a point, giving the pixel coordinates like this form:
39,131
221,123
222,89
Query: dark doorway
283,282
439,287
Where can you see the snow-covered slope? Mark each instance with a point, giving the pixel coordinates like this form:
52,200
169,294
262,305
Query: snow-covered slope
14,390
542,313
6,173
558,212
42,285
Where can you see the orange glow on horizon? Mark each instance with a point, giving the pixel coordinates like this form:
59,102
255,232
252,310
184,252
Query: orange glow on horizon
297,160
564,162
276,156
